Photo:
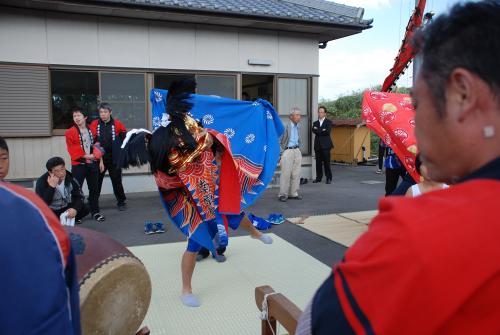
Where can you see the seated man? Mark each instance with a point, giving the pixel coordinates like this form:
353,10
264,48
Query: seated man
60,191
429,265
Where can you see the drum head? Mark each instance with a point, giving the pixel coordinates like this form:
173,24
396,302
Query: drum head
115,288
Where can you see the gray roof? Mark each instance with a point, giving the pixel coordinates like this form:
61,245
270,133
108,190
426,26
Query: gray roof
313,11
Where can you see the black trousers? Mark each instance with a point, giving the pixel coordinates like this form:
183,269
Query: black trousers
115,174
80,214
381,152
89,172
392,178
323,162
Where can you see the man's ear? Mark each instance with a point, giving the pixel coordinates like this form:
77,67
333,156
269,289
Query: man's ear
462,93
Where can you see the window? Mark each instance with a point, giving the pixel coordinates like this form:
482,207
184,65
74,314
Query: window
163,81
220,85
223,86
126,94
257,86
293,92
70,89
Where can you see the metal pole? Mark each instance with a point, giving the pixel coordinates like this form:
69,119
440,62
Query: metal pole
415,61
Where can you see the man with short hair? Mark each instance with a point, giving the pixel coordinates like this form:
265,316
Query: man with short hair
60,191
291,158
4,158
429,265
84,165
110,133
322,146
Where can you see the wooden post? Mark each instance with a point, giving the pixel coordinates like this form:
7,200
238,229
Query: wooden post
280,309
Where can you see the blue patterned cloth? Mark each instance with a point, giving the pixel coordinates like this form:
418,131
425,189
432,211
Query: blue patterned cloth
253,129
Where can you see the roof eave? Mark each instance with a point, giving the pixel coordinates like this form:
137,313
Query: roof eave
324,31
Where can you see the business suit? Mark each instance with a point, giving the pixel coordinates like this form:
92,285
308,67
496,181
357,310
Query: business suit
322,146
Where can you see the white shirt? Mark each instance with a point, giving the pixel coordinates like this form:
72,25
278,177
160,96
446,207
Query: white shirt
61,189
321,121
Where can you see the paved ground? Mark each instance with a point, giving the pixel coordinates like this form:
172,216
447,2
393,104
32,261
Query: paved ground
353,189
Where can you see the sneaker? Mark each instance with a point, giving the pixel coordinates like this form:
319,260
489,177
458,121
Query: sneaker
122,207
148,228
159,228
98,217
276,218
378,171
282,198
280,218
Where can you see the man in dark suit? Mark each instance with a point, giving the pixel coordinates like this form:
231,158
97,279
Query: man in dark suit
322,145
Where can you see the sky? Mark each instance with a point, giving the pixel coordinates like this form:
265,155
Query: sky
364,60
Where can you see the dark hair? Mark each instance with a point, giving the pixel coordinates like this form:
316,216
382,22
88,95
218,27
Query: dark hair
105,105
418,163
53,162
3,144
466,37
77,109
175,135
326,110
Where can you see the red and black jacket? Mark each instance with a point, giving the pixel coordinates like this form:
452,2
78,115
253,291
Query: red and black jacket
74,144
110,135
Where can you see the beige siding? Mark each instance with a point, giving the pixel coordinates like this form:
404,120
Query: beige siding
123,43
254,44
216,49
23,37
172,50
72,39
24,101
29,155
298,53
86,40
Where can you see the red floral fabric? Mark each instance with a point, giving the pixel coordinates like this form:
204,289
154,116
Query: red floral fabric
392,117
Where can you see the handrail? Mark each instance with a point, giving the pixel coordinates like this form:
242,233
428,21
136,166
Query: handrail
280,309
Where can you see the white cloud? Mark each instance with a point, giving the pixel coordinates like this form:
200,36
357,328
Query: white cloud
342,72
372,4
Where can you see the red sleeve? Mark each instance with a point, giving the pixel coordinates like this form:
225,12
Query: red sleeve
75,150
120,128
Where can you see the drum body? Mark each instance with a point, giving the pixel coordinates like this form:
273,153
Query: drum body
115,288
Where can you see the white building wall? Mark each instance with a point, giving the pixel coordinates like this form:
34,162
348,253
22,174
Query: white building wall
71,39
49,38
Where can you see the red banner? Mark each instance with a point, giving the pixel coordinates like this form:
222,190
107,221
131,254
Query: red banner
392,117
406,53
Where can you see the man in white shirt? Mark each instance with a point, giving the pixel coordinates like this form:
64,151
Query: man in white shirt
291,158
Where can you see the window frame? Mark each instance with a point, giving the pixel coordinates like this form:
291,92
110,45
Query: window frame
59,131
308,104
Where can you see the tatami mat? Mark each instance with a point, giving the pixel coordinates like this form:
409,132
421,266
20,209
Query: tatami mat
342,228
226,290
